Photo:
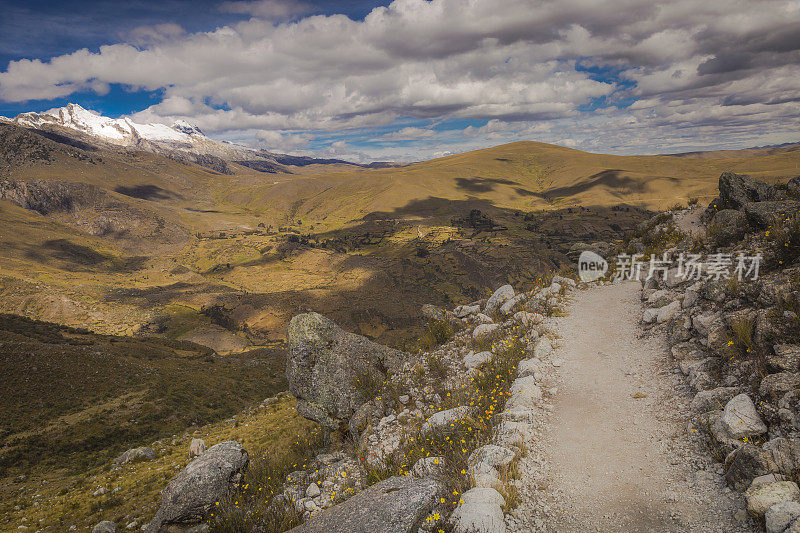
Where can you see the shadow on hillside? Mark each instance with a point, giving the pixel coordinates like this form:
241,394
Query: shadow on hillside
144,192
478,184
610,178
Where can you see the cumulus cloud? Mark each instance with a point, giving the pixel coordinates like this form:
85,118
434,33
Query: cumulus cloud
725,69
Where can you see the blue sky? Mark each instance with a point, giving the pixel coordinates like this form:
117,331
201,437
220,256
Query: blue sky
414,79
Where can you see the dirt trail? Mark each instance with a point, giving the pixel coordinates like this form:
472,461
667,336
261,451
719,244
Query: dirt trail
617,455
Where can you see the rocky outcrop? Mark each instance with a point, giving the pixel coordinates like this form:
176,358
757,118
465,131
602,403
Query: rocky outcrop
331,371
395,505
190,495
134,455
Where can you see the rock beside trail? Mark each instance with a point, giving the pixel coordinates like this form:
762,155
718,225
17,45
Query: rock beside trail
740,418
136,454
543,348
480,512
761,497
737,190
191,494
395,505
498,298
329,369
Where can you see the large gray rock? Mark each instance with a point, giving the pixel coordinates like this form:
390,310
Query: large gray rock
730,226
190,495
668,312
395,505
498,298
762,497
741,419
331,370
480,512
736,190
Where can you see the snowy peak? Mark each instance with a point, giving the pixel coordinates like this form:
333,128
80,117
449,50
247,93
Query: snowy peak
184,127
121,131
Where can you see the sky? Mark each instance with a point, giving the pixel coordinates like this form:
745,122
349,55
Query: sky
415,79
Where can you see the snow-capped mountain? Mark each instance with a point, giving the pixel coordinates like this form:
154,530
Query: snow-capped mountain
121,131
182,141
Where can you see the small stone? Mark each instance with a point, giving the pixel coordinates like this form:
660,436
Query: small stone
106,526
313,491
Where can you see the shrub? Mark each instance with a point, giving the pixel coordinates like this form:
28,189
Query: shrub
694,200
740,336
436,333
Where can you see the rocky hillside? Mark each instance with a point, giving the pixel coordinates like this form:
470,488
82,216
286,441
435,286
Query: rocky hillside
735,334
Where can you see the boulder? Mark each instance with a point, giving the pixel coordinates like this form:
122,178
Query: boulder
395,505
445,420
762,497
197,447
730,226
650,315
740,418
106,526
736,190
668,312
528,367
480,512
485,331
498,298
192,493
524,394
781,515
474,360
330,371
134,455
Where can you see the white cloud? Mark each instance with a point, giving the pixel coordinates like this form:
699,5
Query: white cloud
725,70
409,133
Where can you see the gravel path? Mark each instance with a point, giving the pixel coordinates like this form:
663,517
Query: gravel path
618,453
